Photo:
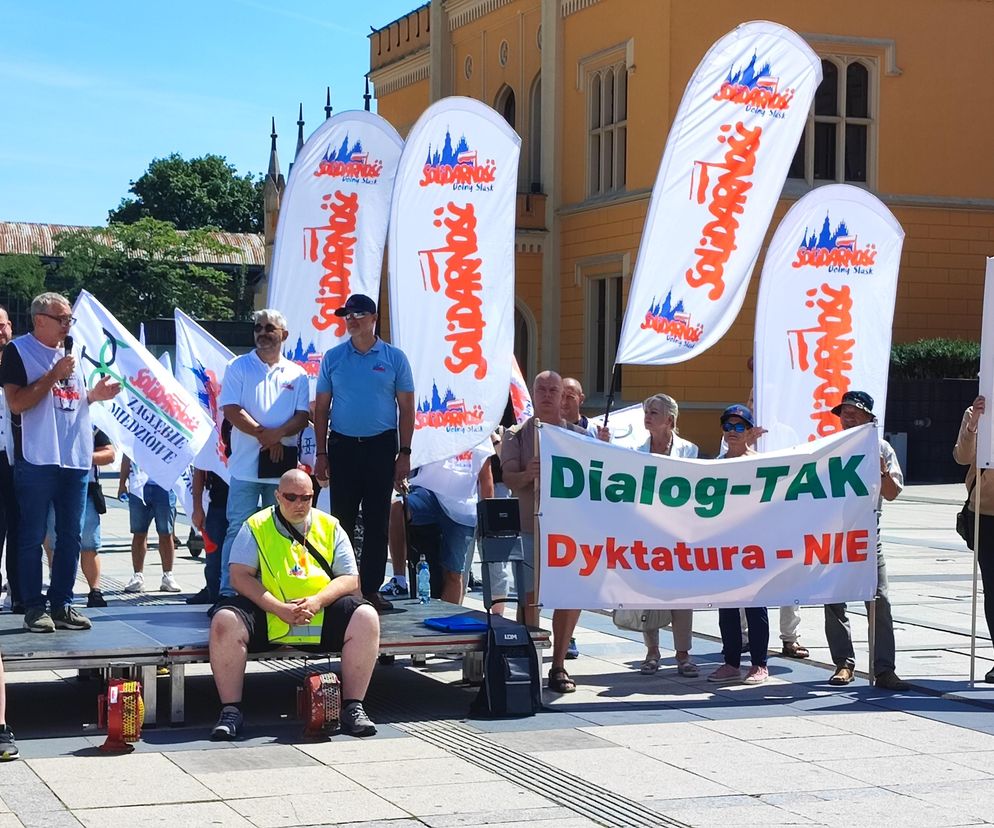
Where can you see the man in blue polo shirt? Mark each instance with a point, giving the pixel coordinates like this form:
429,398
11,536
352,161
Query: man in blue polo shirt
360,459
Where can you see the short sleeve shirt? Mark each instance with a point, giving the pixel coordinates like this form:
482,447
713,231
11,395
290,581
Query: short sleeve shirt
271,395
245,551
364,387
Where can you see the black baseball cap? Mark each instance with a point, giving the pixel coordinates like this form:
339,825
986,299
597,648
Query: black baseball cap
740,411
357,303
857,399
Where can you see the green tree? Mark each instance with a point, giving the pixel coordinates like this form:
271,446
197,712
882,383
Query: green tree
22,276
194,193
144,270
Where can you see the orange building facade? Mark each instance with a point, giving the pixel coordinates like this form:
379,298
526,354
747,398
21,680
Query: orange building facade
592,87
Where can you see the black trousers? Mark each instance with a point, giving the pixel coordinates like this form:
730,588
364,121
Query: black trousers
360,471
985,558
8,526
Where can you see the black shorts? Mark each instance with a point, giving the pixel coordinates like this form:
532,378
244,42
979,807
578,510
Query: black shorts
336,621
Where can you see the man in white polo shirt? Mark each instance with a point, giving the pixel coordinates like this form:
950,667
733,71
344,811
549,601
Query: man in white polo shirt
265,398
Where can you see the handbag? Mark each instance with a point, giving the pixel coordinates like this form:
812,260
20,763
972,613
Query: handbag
965,518
641,620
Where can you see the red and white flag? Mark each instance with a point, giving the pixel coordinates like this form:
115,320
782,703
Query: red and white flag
521,398
724,166
451,265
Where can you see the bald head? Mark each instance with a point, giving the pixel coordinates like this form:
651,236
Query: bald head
572,399
295,477
547,396
294,495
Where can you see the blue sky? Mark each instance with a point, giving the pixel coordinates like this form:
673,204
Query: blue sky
93,91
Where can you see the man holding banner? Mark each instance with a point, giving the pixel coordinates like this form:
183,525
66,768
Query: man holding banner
49,404
856,409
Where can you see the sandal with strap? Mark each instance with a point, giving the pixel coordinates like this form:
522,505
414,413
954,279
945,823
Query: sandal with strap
649,666
791,649
560,682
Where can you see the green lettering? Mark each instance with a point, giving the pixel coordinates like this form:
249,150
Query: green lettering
840,474
806,482
620,488
648,485
710,495
674,491
596,467
560,488
770,477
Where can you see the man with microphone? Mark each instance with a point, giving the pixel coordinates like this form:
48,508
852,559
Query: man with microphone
52,442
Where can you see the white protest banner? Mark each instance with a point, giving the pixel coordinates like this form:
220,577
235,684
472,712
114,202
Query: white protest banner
521,398
153,419
985,430
622,528
627,426
451,264
200,364
825,313
331,230
722,171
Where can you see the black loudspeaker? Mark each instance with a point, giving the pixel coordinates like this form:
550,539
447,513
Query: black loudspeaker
498,517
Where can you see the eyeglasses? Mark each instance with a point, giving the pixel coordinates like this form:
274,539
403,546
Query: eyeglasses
738,428
66,320
290,497
357,315
270,328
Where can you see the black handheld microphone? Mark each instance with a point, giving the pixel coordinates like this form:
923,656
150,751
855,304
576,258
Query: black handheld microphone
67,346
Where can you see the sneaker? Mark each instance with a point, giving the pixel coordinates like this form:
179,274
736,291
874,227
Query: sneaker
136,584
843,675
228,724
380,604
8,747
355,722
67,618
725,674
95,598
39,621
393,588
989,678
169,583
757,675
889,680
572,651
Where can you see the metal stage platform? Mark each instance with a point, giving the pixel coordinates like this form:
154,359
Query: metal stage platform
148,637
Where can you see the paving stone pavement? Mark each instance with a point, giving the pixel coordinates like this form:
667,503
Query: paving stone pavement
625,749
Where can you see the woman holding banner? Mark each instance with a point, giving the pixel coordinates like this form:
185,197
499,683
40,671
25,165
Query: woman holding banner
661,412
740,433
965,453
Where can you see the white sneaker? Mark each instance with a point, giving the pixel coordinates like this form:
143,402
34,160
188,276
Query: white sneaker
169,583
136,584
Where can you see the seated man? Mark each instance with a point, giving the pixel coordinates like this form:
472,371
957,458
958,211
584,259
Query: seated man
287,595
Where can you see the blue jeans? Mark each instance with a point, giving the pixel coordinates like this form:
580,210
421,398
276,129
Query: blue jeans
38,487
215,528
457,540
244,498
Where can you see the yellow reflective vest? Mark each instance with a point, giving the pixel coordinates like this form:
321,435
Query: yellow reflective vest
289,571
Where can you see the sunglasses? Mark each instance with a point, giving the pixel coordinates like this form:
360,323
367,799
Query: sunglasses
290,497
738,428
270,328
357,315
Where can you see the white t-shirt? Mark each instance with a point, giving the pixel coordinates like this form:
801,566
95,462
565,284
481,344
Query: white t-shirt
680,447
454,482
271,396
245,550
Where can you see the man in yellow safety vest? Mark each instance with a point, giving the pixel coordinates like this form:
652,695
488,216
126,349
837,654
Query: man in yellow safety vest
297,582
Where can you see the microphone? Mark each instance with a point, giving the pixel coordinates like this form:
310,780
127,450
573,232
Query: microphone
67,346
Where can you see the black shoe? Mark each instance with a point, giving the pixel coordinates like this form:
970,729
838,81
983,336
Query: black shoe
8,747
95,598
989,678
228,724
380,604
202,597
355,722
67,618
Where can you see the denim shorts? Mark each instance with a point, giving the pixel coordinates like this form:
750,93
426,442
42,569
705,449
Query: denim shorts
457,539
159,504
90,534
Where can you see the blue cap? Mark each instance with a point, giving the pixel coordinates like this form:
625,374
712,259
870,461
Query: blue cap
357,303
740,411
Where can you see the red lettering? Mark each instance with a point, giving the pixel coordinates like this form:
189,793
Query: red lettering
338,255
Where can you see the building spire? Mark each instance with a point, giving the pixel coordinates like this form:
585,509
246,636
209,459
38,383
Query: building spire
327,103
367,96
300,131
274,161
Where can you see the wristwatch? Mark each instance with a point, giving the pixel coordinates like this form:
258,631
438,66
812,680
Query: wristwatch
404,450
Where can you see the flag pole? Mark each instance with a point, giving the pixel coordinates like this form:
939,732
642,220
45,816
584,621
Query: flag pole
976,561
610,393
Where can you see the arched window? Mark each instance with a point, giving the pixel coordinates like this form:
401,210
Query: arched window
607,105
505,105
535,137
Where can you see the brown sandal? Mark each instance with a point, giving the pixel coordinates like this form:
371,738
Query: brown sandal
560,682
791,649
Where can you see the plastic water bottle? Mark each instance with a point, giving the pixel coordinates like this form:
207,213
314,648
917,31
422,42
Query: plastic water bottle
123,497
424,581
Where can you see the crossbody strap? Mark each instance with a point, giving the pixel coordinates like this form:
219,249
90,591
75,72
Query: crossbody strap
973,485
292,531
